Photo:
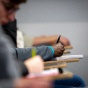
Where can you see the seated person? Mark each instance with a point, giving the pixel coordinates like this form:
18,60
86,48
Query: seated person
10,70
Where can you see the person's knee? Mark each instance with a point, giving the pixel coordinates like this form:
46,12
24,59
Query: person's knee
79,81
75,81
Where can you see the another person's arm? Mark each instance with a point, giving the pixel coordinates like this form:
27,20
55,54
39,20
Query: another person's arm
46,40
39,82
46,52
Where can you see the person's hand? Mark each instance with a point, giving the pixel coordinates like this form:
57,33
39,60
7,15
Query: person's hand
33,83
58,49
35,64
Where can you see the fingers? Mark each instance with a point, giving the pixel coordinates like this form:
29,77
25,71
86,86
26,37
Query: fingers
59,49
40,82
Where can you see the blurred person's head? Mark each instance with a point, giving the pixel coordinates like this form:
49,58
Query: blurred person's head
8,9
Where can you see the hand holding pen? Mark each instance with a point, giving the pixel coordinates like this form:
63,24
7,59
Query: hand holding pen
58,48
60,69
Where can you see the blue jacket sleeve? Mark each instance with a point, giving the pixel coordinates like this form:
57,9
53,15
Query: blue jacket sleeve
44,51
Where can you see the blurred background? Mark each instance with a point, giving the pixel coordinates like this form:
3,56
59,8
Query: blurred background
65,17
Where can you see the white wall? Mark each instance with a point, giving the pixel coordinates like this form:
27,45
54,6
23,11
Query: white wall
50,11
65,17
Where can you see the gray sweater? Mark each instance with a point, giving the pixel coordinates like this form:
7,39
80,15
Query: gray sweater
44,51
7,60
9,69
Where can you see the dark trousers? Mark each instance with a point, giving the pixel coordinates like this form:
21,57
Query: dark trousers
75,82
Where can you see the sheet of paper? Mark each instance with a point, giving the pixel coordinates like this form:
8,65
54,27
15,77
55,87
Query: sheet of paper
44,73
70,57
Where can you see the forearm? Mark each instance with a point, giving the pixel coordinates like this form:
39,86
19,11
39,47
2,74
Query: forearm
50,40
47,40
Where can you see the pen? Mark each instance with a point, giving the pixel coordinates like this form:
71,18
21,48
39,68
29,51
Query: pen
58,40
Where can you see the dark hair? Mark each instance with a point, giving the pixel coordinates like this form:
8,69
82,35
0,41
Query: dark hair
18,1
